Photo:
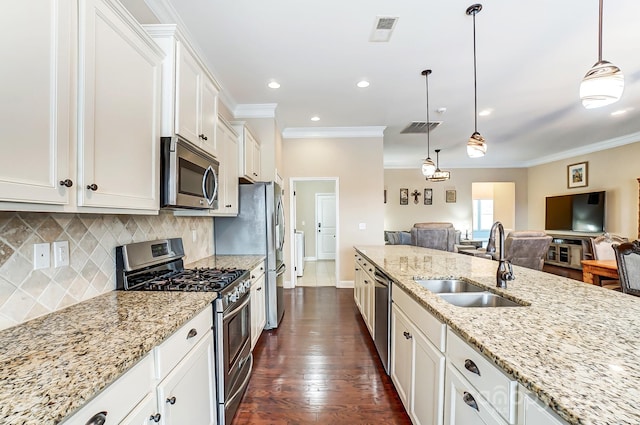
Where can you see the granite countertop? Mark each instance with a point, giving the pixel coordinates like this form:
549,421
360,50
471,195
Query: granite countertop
576,345
52,365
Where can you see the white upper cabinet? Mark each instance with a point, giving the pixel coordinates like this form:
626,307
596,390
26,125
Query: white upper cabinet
81,109
227,140
119,116
248,153
35,89
189,91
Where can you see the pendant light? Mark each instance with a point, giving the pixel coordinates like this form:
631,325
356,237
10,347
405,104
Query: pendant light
476,146
428,167
439,175
603,84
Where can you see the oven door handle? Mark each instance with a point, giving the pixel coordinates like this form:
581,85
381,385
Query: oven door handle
237,309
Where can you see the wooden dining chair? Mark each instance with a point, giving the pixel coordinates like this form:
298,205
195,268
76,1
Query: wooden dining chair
628,260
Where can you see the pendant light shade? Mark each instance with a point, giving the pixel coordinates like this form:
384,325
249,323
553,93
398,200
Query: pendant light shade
428,166
439,175
476,146
603,84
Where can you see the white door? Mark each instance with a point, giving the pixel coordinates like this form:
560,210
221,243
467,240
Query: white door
326,226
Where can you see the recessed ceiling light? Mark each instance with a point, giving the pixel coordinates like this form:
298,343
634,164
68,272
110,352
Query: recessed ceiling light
619,112
274,85
362,84
485,112
316,118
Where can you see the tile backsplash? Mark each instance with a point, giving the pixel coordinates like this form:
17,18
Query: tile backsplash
26,293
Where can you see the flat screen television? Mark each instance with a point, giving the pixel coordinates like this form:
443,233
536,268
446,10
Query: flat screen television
580,212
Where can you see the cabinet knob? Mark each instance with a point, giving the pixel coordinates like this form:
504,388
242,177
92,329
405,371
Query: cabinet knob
98,419
155,418
193,332
171,400
92,187
203,137
407,335
228,206
470,401
259,289
67,183
471,366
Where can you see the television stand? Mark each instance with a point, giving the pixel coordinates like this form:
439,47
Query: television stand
565,255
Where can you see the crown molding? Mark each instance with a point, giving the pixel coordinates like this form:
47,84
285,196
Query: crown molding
584,150
255,110
332,132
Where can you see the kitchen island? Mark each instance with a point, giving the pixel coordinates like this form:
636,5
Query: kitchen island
51,366
574,345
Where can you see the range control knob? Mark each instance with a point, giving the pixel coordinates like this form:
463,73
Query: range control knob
233,297
247,284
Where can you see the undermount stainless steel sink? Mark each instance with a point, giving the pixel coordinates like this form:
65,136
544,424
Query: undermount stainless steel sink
478,299
445,286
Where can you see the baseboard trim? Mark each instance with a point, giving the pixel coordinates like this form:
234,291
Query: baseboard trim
345,284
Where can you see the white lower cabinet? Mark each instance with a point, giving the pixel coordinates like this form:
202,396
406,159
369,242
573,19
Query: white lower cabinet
417,365
464,405
145,413
186,395
258,304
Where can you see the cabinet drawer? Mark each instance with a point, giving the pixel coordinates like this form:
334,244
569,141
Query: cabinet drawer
464,405
257,271
171,351
119,398
494,385
432,328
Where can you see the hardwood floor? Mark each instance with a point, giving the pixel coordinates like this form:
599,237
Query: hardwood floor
319,367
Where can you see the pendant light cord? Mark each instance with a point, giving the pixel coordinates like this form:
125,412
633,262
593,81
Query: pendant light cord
475,76
426,74
600,33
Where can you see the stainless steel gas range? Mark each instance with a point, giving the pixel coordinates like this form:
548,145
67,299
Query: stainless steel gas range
158,266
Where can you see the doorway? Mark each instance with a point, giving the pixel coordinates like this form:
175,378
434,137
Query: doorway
315,231
492,201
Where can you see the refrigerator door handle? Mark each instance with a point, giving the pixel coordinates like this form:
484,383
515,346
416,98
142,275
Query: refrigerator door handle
281,270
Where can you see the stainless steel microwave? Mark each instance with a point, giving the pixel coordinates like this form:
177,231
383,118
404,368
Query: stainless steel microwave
189,176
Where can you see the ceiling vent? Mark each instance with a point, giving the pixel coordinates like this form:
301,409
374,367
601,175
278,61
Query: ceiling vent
420,127
382,28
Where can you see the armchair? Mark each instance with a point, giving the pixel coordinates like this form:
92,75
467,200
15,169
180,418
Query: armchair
527,248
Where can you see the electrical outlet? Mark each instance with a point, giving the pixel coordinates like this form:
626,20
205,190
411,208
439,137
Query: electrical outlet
41,256
60,253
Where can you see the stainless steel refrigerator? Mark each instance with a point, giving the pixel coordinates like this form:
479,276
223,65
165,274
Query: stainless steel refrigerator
258,230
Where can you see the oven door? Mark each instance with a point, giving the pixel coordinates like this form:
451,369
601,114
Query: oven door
189,176
234,355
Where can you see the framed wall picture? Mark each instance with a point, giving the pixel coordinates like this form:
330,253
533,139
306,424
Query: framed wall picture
450,196
428,196
577,175
404,196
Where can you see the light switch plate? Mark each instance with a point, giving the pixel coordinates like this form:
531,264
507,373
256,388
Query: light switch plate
41,256
60,253
362,226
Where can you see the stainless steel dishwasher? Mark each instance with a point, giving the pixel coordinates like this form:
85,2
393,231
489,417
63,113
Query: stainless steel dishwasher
382,324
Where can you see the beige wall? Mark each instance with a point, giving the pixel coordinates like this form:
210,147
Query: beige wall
613,170
306,210
357,163
460,213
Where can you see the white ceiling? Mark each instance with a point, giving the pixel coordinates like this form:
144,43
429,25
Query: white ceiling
531,59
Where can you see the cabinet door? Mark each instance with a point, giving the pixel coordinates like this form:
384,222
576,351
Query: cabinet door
256,160
186,395
35,90
188,90
119,105
209,117
357,293
258,311
427,395
401,355
249,152
536,414
227,142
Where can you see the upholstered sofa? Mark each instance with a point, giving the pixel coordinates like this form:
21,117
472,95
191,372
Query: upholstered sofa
442,236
